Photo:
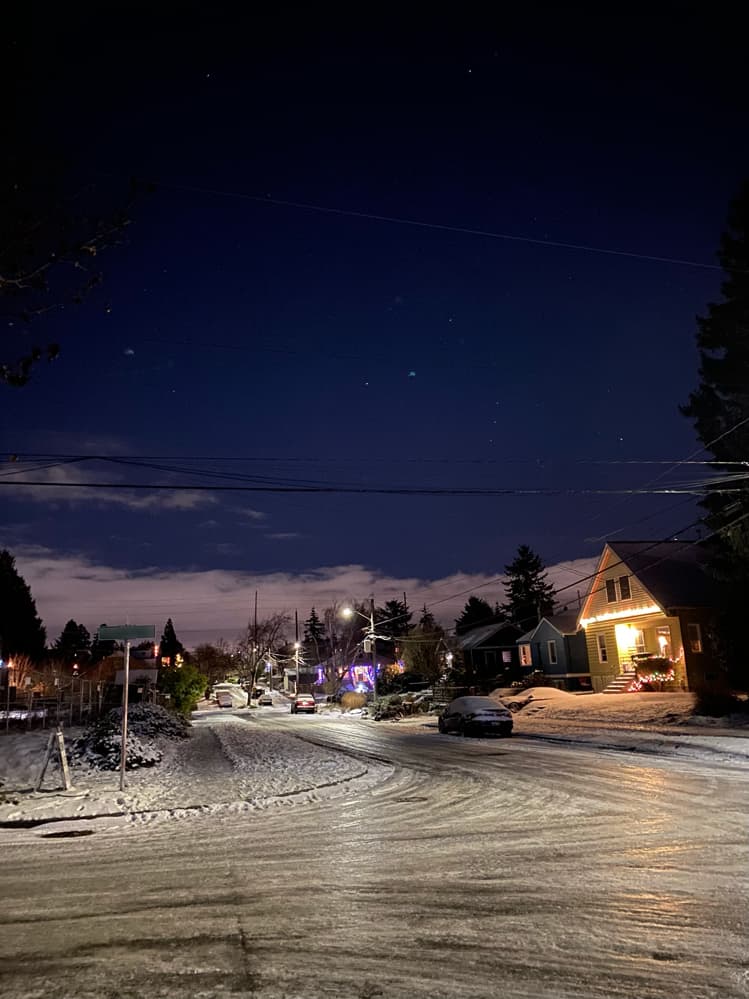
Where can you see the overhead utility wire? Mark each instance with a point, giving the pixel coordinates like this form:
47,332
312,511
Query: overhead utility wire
347,459
369,490
440,227
689,457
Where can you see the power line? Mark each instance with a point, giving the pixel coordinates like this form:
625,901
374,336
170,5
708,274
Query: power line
440,227
372,490
347,459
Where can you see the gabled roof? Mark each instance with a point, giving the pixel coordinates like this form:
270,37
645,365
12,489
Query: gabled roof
674,572
565,622
477,636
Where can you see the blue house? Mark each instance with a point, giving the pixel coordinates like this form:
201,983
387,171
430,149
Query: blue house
557,649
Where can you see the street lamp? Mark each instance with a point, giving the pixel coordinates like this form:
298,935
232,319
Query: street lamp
370,638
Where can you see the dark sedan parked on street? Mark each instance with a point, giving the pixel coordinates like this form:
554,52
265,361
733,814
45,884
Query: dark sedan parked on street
475,716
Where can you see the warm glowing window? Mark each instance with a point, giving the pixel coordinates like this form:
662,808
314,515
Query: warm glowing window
552,652
603,655
624,589
611,590
525,655
694,634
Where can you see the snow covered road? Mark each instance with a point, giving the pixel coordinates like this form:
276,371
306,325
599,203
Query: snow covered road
467,869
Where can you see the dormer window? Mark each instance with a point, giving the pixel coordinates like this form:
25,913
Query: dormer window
611,590
624,589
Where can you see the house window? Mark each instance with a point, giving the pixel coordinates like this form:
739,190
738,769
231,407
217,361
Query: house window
694,634
624,590
552,653
603,655
611,590
525,655
506,656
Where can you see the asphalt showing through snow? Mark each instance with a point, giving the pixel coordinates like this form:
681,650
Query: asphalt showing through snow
453,868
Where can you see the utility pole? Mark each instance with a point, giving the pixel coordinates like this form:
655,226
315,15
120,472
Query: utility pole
296,651
125,689
373,643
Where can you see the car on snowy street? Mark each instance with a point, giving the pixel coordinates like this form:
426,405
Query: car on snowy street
475,716
265,700
303,702
230,695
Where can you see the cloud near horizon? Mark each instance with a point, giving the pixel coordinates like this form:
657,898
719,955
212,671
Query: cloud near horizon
208,604
66,484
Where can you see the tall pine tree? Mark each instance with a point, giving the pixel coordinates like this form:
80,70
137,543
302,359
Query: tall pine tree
719,409
476,612
74,642
170,646
395,618
315,644
21,629
529,597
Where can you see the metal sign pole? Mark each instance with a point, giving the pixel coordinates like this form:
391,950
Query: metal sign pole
123,750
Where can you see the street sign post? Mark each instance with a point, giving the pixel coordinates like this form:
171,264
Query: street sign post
120,633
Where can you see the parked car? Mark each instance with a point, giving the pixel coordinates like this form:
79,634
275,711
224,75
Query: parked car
475,716
230,695
265,700
303,702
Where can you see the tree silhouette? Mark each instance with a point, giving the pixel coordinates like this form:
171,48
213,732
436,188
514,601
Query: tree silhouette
21,628
529,596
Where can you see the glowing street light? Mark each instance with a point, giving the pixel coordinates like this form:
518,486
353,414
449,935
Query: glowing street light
370,640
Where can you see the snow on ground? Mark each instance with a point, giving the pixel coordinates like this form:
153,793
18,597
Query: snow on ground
230,762
227,761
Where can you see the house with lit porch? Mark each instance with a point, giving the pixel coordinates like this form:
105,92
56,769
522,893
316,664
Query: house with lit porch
648,615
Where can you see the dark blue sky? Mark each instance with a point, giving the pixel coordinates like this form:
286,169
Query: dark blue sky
228,327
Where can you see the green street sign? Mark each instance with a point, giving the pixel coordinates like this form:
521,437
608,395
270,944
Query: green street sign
123,632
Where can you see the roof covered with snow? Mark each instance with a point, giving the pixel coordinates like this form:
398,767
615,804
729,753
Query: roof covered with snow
479,636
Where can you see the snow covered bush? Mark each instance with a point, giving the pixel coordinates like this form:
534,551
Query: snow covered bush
147,724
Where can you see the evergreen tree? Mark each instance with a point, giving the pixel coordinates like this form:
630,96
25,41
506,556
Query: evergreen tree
528,595
395,617
21,629
100,650
170,646
424,649
315,644
719,409
74,642
476,612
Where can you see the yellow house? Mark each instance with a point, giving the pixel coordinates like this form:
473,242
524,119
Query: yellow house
647,613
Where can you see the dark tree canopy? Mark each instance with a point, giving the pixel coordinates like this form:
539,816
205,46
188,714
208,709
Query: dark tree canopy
315,639
529,597
170,646
74,641
395,618
719,409
21,628
476,612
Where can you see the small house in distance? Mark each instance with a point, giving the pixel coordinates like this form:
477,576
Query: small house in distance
490,653
557,648
647,614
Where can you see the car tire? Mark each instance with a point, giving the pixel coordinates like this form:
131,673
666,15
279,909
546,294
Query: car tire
441,725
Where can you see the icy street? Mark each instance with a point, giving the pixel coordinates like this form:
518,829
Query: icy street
418,865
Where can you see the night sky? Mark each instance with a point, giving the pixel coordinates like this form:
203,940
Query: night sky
333,348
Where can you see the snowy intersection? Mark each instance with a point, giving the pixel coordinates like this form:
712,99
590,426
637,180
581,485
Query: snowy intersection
228,762
242,761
